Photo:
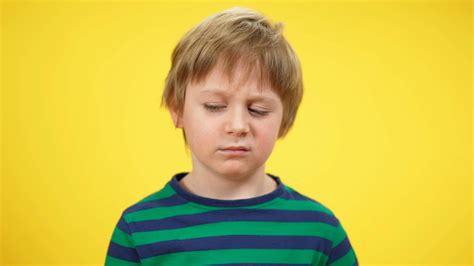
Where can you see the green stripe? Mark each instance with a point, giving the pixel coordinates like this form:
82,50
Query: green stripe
163,212
299,205
237,228
111,261
289,189
190,208
165,192
339,236
289,256
346,260
122,238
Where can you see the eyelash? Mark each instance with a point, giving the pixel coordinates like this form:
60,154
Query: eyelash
217,108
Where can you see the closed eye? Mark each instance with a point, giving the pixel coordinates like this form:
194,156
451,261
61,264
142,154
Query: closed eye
214,108
258,112
217,108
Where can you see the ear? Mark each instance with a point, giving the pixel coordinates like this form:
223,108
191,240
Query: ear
176,117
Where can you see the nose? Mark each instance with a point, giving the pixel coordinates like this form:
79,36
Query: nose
237,122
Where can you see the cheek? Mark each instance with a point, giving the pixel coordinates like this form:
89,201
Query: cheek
202,133
267,134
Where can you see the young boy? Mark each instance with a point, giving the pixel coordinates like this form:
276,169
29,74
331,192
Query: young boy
234,87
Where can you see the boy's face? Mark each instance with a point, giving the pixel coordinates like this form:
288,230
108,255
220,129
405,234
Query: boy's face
219,115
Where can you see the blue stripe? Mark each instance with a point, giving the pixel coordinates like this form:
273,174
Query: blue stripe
294,195
123,253
340,250
170,201
234,242
231,215
122,225
176,200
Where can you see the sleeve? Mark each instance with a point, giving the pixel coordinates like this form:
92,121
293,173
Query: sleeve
121,250
341,253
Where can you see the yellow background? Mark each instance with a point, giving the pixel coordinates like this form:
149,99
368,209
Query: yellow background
383,135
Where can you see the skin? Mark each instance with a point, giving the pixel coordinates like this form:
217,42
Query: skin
219,113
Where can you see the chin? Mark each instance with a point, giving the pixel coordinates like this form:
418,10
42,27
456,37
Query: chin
235,172
232,172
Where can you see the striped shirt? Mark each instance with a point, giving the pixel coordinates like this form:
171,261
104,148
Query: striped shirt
175,227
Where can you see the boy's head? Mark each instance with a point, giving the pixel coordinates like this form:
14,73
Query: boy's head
238,56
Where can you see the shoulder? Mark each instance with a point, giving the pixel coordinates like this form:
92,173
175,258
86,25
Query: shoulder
307,202
337,233
319,211
160,198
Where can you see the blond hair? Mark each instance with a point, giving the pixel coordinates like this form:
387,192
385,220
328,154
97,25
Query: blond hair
236,36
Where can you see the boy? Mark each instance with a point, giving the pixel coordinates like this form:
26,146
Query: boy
234,87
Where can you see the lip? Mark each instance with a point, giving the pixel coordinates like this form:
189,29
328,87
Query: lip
235,150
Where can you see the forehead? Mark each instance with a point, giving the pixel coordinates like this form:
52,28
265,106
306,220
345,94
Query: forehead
241,81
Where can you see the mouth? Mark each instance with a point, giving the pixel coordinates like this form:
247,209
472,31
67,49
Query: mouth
235,150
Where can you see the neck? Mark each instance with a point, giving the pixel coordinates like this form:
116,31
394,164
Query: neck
212,185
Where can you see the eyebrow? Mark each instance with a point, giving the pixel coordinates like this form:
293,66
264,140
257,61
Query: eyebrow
224,93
